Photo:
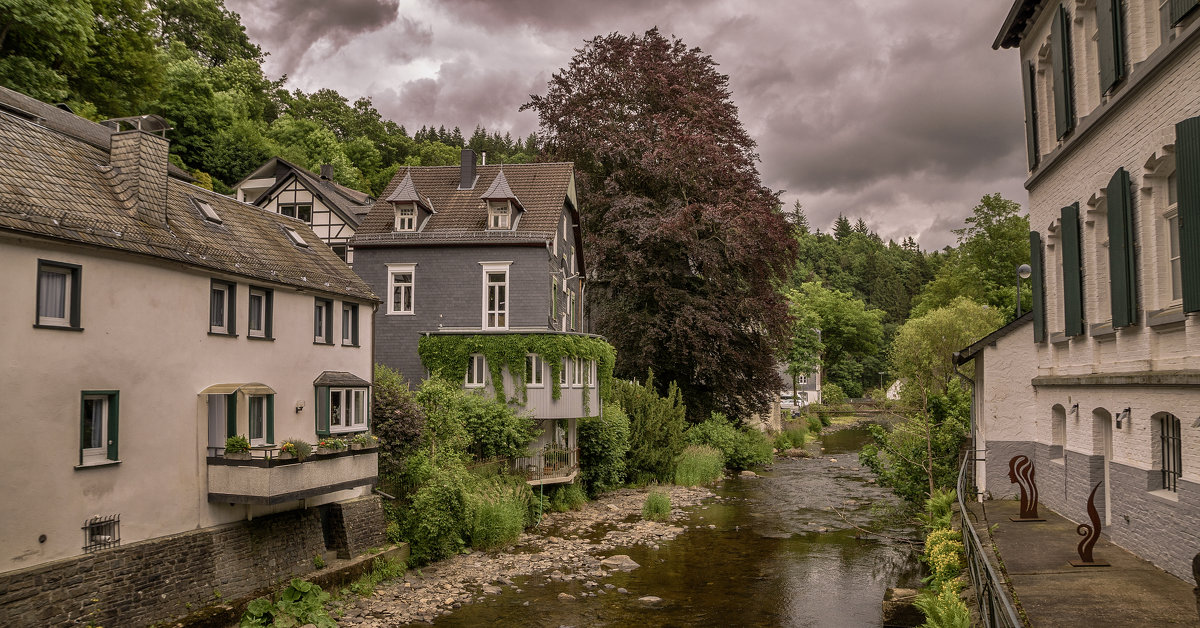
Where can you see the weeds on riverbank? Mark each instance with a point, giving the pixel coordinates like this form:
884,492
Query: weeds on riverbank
699,464
657,506
791,438
944,556
567,497
742,447
301,603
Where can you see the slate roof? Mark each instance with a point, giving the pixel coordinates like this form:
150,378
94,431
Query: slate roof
61,187
500,190
542,188
405,192
1014,24
351,204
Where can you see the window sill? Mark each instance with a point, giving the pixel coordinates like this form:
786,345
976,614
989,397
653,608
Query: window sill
1059,338
59,327
223,335
535,385
354,345
1102,330
93,465
322,343
1172,315
1166,495
1062,461
347,430
401,313
249,337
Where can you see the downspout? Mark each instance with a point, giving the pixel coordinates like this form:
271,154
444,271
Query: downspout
974,434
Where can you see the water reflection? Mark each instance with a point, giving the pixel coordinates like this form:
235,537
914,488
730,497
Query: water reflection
780,555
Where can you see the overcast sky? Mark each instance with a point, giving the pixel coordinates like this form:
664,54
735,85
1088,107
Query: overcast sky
896,111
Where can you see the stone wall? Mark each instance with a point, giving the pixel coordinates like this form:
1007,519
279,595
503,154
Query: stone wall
170,576
354,525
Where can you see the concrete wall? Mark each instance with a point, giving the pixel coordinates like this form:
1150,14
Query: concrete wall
145,334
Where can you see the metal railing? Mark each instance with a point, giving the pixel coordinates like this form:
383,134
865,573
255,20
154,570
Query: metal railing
548,463
995,607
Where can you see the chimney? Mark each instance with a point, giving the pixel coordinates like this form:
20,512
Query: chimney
327,171
466,172
141,160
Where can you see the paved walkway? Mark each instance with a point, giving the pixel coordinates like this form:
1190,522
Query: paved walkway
1132,592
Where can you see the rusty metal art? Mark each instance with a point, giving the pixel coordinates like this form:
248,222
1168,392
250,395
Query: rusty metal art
1020,472
1090,534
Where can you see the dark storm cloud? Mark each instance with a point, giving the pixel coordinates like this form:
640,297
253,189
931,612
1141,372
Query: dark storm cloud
898,112
290,29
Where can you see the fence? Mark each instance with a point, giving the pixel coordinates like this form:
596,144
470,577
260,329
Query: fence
995,607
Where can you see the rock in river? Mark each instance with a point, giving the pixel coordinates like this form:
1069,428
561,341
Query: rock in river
619,561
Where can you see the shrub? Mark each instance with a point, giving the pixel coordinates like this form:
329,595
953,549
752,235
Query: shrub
301,603
699,464
567,497
603,446
944,555
943,608
816,422
832,394
494,429
742,447
656,427
938,509
382,570
923,449
396,418
657,506
439,515
237,444
497,519
318,561
791,438
395,533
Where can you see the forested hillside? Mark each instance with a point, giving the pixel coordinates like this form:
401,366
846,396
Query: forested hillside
191,62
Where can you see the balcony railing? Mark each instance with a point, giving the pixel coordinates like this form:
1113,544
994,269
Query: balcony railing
265,478
549,465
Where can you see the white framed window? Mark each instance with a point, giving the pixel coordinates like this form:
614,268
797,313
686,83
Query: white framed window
323,321
401,287
342,410
571,308
259,321
499,215
98,427
476,371
58,294
574,263
564,375
495,295
554,298
534,369
349,324
1171,216
299,211
258,420
801,379
406,217
576,372
221,308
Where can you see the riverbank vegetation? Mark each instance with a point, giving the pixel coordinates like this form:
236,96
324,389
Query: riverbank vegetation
943,555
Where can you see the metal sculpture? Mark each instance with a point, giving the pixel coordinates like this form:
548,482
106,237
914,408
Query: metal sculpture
1020,472
1090,534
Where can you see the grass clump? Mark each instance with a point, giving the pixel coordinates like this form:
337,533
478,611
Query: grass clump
699,464
498,511
742,447
657,506
382,570
791,438
568,497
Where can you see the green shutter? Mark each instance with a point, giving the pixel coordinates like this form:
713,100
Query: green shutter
1031,137
231,414
76,297
271,419
1187,170
1121,266
269,314
82,422
114,416
1110,42
1039,286
1060,59
1180,9
322,411
231,315
1072,267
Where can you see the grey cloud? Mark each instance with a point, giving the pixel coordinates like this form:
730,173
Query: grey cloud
578,16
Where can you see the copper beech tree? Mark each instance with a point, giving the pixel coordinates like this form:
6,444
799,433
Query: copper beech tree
685,247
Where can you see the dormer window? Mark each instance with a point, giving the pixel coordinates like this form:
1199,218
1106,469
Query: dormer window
499,215
406,217
207,211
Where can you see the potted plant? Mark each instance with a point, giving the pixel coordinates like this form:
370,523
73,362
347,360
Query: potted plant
294,448
237,447
330,445
363,440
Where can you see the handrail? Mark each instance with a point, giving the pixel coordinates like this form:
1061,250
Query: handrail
995,607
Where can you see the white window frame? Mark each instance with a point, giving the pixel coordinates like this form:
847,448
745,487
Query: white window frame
406,217
1170,216
534,371
67,295
400,269
349,324
499,215
295,213
95,455
576,372
321,323
476,376
802,380
261,332
492,316
256,404
227,302
564,375
571,305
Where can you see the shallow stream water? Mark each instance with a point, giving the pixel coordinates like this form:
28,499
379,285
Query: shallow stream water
782,552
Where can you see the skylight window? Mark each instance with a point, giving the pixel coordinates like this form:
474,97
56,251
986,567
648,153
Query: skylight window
210,214
295,237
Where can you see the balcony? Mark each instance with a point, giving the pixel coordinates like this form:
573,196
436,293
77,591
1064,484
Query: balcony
264,478
549,465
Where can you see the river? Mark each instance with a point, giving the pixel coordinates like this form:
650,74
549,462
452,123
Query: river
780,554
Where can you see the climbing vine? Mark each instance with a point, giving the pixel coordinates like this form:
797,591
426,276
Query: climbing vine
446,355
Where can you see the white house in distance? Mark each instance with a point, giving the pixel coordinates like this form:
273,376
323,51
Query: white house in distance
1107,389
147,320
330,208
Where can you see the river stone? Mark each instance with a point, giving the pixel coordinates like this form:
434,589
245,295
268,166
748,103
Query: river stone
619,561
565,596
797,453
492,590
898,608
650,599
748,474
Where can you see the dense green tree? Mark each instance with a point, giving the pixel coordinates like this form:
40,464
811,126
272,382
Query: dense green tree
685,246
125,70
923,348
842,228
43,44
803,353
205,27
850,333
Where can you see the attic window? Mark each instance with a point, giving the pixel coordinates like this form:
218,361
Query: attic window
406,217
295,237
498,215
210,214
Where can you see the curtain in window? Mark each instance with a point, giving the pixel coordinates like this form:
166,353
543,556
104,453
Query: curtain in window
52,302
93,423
217,308
256,308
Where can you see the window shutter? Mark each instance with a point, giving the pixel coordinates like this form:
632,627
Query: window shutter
1180,9
1187,170
1121,266
1110,42
231,415
114,416
1031,138
322,411
269,312
1060,59
231,315
1072,272
271,419
1039,286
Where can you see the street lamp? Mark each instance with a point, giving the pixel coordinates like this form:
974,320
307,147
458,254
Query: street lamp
1023,272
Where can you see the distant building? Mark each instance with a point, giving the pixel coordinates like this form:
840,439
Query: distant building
147,320
1102,386
485,251
330,208
806,389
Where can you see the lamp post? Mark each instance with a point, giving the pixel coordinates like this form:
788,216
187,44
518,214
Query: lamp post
1023,272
